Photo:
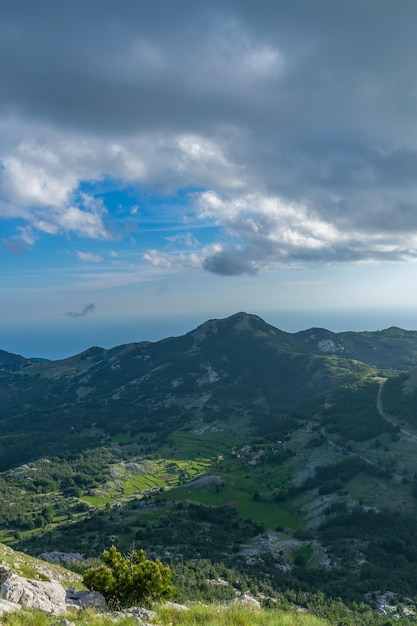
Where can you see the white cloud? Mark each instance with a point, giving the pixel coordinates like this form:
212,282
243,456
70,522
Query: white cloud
188,239
26,235
90,257
31,184
159,259
40,177
83,223
256,217
201,159
264,232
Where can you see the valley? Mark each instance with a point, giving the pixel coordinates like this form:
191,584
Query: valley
237,452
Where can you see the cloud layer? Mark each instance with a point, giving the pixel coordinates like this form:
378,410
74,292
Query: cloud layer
293,125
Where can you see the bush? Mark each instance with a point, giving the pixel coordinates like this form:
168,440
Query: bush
129,580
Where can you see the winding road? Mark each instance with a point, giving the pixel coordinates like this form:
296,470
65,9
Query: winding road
389,418
405,433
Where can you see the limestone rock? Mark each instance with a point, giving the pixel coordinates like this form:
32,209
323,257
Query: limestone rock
8,607
61,557
247,600
45,596
177,607
138,613
85,600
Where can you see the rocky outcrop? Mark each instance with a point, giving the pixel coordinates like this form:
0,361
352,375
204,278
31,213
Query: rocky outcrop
248,600
85,600
49,597
61,557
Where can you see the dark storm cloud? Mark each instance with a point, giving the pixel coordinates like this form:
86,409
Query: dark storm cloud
88,308
230,262
166,64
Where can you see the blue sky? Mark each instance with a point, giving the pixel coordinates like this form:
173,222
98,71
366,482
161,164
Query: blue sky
163,163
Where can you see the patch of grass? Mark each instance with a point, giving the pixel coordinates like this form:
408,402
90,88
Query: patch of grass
167,473
267,513
167,616
28,617
303,555
96,500
141,482
235,616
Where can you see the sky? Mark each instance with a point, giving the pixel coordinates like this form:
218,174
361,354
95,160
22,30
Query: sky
163,163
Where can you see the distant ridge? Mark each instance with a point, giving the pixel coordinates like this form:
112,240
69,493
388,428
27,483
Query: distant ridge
392,348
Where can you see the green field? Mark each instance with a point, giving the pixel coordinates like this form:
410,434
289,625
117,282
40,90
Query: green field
96,500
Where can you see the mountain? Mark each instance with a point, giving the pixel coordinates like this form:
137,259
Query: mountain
13,362
239,367
263,452
392,348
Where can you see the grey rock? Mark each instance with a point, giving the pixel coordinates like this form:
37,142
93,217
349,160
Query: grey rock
138,613
177,607
45,596
247,600
63,622
8,607
85,600
61,557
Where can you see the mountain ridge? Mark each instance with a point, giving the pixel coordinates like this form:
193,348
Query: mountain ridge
249,367
349,344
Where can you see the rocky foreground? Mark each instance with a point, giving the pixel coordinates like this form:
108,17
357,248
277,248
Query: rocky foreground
52,589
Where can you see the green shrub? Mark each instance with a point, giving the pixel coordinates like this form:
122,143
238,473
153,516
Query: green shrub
129,580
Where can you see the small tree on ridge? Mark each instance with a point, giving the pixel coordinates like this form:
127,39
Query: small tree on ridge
131,579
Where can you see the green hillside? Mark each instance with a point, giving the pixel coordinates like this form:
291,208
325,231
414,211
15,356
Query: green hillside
236,451
392,348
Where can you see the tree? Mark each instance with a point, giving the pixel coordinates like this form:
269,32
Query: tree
131,579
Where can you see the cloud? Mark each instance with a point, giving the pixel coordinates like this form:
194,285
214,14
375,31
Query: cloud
90,257
88,308
16,246
230,262
296,124
187,239
263,232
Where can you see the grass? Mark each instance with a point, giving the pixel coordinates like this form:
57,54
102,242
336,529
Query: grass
27,617
197,615
96,500
160,474
267,513
29,567
240,482
304,552
235,616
